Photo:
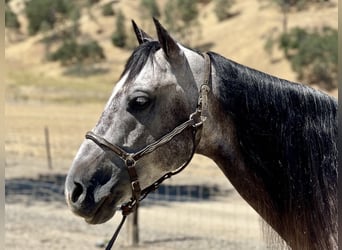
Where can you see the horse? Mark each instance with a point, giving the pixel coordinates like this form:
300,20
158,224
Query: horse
275,140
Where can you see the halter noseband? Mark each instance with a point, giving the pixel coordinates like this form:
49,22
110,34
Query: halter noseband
195,121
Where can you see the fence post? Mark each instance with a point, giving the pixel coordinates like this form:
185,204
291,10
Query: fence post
133,229
47,146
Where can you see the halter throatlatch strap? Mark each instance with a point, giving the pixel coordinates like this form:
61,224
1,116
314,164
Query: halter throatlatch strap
204,90
195,122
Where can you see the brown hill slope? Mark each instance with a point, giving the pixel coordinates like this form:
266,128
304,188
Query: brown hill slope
240,38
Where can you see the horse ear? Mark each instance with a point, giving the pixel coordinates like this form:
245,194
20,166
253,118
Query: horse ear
169,45
141,35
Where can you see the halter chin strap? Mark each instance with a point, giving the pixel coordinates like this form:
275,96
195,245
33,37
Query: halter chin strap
195,122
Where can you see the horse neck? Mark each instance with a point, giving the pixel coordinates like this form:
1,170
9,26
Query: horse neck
249,135
220,142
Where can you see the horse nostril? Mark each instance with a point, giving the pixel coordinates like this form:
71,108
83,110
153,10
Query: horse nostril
77,192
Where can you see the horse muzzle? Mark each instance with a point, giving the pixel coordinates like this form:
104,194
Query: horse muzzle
94,194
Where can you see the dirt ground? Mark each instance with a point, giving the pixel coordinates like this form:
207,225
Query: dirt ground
38,218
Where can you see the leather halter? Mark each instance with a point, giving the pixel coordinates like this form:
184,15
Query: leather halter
195,122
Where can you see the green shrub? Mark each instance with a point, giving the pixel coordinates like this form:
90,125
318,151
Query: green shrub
151,7
107,10
70,52
11,20
38,11
181,18
92,2
222,9
313,54
188,10
119,36
298,4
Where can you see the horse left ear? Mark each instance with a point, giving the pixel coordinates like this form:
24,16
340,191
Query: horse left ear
170,47
141,35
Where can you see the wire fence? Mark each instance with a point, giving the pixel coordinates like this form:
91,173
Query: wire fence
174,216
188,214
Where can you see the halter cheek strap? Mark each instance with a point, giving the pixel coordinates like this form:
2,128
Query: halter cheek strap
195,122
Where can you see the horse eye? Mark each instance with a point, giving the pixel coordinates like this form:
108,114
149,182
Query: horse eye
139,103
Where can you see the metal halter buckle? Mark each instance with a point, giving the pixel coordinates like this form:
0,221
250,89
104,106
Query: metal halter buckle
129,160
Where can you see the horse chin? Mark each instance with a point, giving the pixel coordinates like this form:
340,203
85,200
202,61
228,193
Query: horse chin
104,212
100,218
102,215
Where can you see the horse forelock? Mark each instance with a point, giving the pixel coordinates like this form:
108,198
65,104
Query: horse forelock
138,59
141,55
287,134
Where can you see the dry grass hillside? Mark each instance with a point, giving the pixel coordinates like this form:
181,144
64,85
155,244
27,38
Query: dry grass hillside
240,38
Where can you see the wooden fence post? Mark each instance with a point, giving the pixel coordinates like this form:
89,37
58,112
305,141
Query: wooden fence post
133,229
47,146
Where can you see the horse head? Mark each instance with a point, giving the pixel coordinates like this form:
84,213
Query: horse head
157,91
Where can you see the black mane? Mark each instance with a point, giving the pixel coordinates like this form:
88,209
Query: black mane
288,136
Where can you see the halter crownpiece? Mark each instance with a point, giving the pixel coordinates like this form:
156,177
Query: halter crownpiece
195,122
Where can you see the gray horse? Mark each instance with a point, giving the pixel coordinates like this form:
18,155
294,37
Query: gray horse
274,140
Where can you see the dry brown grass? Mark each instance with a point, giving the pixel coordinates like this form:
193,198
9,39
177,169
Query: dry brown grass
241,38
